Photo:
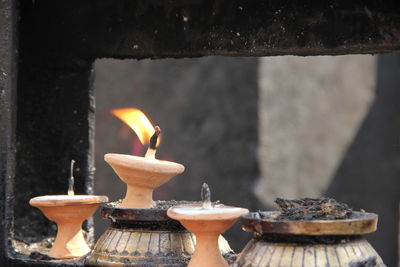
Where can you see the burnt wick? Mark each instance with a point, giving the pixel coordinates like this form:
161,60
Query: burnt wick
151,152
206,196
154,138
71,180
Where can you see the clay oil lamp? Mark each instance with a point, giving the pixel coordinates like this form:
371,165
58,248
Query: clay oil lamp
206,221
141,174
68,212
309,232
141,233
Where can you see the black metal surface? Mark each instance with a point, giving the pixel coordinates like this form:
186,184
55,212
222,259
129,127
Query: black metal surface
123,214
158,213
154,29
54,126
165,225
8,70
149,219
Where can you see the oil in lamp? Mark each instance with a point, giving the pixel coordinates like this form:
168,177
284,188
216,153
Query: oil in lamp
68,212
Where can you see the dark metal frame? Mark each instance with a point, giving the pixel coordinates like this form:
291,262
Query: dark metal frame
47,49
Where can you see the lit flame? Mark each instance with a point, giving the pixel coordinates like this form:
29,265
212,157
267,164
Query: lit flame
137,121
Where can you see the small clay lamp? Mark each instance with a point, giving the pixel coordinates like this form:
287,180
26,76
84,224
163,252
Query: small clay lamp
207,221
141,174
68,212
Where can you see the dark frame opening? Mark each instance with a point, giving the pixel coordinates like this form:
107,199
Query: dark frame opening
47,49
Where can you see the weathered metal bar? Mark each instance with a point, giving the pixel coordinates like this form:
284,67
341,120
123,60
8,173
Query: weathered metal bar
8,70
48,124
54,125
154,29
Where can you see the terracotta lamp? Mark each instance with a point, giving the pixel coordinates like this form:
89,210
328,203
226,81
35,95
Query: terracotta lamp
68,212
207,221
141,174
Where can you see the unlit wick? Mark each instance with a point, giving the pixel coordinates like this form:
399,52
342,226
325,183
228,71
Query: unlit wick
151,152
71,180
206,196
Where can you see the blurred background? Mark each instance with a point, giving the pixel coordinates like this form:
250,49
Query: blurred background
259,128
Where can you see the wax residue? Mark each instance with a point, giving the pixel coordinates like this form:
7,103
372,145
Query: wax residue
196,210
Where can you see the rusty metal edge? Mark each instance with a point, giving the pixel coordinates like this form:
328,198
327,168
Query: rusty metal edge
364,223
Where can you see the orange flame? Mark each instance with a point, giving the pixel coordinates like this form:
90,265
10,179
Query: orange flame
137,121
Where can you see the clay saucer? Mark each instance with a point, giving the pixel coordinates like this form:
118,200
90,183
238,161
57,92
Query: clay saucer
141,175
207,225
68,212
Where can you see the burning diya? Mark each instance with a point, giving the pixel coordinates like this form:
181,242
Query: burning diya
141,233
68,212
141,174
309,232
207,221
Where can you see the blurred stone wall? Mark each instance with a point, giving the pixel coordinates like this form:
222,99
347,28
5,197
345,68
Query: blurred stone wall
314,126
368,175
310,110
207,110
330,126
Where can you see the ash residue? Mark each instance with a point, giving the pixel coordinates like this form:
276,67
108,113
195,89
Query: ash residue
166,225
166,204
36,255
159,204
114,204
312,209
230,257
25,248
